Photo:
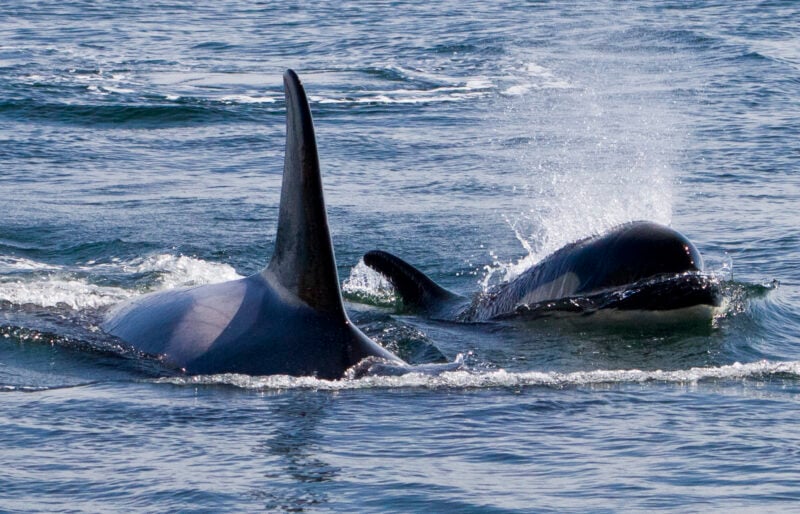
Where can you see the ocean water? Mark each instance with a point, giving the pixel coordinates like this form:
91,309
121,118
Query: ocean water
141,148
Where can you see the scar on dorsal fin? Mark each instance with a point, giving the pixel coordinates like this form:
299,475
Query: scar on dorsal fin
303,261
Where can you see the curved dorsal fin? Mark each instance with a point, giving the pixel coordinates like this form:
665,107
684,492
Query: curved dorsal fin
303,260
417,291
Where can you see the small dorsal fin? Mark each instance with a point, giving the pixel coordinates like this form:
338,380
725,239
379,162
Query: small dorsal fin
418,292
303,260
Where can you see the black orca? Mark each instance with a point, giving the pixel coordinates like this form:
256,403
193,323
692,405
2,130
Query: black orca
638,266
287,319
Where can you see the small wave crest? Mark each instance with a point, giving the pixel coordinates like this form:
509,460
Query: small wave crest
469,90
392,84
84,286
11,264
367,285
8,388
531,77
461,378
180,270
55,291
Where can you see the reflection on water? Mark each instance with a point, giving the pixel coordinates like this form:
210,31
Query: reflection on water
292,454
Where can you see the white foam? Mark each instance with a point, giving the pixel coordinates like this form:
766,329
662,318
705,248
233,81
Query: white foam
28,282
248,99
534,77
118,90
181,270
77,294
500,378
5,388
10,264
475,87
517,90
368,283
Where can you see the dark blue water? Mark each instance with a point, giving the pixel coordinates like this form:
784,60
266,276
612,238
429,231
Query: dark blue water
141,148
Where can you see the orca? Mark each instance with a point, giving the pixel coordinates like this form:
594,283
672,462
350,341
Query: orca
288,319
637,266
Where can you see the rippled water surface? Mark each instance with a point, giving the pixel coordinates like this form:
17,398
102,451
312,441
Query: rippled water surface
142,149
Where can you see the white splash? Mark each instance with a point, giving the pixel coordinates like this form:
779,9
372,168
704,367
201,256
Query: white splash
28,282
11,264
367,283
461,379
459,90
588,158
181,270
533,77
60,291
248,99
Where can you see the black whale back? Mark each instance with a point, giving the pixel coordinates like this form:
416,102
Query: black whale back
630,253
288,319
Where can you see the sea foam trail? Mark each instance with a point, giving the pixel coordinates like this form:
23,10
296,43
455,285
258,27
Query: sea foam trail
760,370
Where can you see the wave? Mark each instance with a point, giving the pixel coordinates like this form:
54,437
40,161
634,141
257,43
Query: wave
150,114
28,282
49,292
181,270
11,264
180,110
8,388
368,286
759,372
464,379
534,77
471,89
96,97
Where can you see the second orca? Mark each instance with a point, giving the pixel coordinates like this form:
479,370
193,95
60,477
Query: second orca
638,266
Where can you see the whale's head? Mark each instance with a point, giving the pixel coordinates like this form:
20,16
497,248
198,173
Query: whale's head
641,250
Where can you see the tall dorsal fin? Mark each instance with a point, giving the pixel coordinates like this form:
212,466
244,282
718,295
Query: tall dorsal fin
303,261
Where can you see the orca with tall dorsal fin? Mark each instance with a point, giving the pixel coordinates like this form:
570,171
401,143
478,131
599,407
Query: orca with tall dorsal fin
288,319
637,266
